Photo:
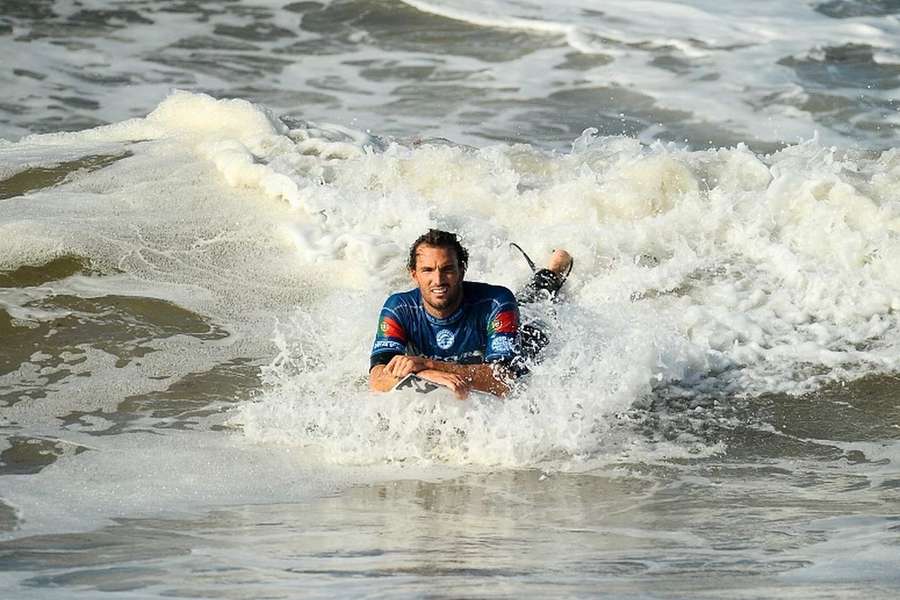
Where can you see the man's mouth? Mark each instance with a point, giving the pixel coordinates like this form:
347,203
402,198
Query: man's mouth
440,290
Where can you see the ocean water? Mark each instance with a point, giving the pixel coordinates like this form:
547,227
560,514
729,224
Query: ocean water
204,204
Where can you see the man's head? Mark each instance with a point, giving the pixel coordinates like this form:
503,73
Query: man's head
437,263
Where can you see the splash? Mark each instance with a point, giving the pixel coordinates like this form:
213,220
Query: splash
718,274
700,274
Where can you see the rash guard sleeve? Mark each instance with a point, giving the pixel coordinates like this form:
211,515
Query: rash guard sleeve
502,328
390,336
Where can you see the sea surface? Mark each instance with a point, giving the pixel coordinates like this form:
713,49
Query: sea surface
204,204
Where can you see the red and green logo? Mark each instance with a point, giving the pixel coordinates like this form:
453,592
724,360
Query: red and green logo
504,322
388,327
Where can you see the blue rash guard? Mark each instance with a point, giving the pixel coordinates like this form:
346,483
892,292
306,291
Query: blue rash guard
485,328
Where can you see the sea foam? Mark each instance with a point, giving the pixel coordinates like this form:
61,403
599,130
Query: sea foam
699,274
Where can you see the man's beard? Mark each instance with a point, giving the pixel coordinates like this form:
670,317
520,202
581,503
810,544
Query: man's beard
446,302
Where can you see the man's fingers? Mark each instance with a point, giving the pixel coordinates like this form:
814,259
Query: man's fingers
459,386
391,367
399,366
403,367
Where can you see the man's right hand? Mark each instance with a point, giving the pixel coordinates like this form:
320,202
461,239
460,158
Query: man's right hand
456,383
401,365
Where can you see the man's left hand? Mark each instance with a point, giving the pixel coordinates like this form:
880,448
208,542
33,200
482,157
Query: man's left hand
402,365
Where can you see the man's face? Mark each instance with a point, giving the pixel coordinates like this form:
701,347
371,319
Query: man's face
439,278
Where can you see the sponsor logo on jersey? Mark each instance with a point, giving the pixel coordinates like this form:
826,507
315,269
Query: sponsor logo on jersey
501,345
389,344
504,322
445,338
389,327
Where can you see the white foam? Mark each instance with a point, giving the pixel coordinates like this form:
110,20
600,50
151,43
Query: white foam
722,271
719,273
181,474
743,283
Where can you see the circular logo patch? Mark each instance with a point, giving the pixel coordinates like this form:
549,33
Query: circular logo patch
445,338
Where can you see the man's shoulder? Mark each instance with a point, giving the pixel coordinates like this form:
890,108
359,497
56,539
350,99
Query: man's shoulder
400,299
477,291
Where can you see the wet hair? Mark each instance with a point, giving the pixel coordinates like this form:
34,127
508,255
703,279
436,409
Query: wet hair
439,239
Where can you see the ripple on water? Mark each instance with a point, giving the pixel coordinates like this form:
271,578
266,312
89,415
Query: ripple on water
422,32
28,455
572,532
183,405
8,518
848,9
850,65
38,178
121,326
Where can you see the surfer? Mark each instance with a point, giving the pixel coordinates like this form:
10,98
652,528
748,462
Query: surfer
459,334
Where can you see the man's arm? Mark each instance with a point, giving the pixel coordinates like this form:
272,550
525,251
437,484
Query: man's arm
380,380
486,377
390,343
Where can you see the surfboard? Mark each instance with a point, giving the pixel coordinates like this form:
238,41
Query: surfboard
416,386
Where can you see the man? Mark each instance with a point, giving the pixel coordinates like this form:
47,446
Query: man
459,334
